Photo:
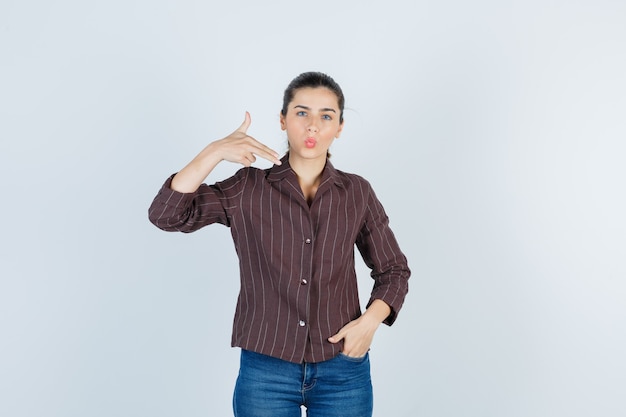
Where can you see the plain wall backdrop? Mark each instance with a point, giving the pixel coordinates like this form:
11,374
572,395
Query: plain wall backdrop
503,120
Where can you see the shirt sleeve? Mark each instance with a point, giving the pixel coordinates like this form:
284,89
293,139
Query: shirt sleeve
187,212
381,253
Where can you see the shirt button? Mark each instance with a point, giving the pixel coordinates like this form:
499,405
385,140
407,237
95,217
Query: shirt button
301,323
307,241
304,281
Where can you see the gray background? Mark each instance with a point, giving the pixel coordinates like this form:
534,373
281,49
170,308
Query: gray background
492,131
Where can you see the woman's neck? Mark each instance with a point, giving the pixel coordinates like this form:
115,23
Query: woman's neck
309,173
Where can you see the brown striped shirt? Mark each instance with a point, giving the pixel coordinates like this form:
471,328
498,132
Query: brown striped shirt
297,275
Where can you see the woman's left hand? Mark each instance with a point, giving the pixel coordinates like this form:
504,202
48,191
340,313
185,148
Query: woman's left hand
357,335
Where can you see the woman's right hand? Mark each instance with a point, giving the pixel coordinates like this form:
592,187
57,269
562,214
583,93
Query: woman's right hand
237,147
240,148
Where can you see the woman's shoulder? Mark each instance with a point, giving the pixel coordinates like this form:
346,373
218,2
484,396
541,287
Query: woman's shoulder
248,172
352,178
241,177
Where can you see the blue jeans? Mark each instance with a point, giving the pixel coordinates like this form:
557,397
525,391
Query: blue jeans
271,387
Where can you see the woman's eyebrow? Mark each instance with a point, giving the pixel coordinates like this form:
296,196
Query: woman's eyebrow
300,106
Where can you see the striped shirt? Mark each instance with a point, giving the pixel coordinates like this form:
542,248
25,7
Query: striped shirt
297,274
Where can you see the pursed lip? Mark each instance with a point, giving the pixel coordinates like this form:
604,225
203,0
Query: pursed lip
310,142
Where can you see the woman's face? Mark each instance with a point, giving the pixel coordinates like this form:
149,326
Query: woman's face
312,122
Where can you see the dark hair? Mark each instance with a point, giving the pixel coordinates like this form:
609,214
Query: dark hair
313,80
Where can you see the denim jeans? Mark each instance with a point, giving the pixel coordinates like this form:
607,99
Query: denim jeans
271,387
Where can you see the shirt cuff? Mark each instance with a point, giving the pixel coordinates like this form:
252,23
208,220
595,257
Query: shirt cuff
171,198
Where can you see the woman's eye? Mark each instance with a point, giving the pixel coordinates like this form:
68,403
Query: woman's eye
301,113
327,117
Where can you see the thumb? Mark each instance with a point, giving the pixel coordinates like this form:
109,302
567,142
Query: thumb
337,338
245,125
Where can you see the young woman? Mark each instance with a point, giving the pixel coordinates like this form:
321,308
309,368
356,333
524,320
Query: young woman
298,321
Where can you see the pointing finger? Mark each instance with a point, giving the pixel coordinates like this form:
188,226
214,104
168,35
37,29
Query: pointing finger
269,154
263,151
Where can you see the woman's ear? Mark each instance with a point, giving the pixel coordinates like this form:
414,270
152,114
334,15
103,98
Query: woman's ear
339,130
282,121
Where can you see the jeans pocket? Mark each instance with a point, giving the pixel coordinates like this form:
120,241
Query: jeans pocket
359,359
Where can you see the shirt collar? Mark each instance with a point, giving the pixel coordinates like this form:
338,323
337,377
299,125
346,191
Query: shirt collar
283,171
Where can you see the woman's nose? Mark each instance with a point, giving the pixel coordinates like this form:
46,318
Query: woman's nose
312,127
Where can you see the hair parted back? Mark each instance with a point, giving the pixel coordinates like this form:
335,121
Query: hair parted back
313,79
